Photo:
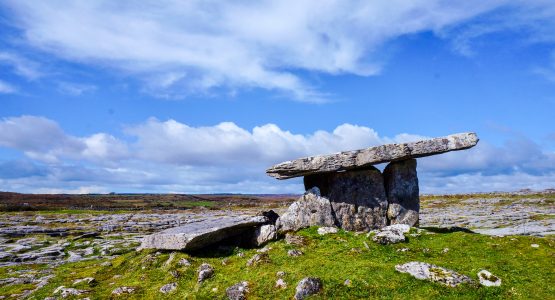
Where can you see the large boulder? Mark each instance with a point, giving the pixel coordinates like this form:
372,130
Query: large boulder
358,198
203,233
401,187
311,209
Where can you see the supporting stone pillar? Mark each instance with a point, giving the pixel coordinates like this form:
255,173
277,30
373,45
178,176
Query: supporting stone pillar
401,186
358,198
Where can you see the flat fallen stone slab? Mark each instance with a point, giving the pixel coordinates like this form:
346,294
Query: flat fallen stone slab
348,160
200,234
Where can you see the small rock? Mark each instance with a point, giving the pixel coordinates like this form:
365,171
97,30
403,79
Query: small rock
281,284
123,290
403,250
280,274
327,230
391,234
205,271
445,250
106,264
238,291
307,286
488,279
88,280
168,288
297,240
184,262
258,259
264,234
535,246
294,253
66,292
426,271
175,273
241,254
347,282
264,250
168,262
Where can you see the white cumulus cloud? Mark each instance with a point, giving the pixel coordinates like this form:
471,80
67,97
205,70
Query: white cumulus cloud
162,156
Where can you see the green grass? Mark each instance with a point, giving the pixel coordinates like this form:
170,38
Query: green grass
526,272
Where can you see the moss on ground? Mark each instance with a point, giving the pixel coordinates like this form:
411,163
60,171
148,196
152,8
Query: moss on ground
526,272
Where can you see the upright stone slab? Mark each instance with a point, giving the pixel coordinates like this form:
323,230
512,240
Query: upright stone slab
358,198
401,187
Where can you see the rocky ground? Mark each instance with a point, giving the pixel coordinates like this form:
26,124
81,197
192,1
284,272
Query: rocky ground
493,214
34,244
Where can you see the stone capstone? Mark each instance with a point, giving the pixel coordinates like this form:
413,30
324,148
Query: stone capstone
356,159
311,209
401,187
200,234
426,271
357,197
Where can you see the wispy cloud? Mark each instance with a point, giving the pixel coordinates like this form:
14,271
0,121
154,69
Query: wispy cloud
6,88
20,65
75,89
179,47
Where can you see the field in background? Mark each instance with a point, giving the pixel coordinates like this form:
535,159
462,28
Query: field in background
132,202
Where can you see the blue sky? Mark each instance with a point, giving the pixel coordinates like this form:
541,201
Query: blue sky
202,97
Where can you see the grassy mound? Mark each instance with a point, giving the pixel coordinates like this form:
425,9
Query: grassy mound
527,272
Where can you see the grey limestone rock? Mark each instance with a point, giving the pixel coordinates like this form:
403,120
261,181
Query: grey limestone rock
168,288
307,286
264,234
200,234
401,187
309,210
327,230
68,292
294,252
205,271
370,156
258,258
357,197
391,234
238,291
123,290
426,271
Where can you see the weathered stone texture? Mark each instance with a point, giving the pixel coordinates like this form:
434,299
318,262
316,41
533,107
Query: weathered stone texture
401,187
201,234
309,210
357,197
349,160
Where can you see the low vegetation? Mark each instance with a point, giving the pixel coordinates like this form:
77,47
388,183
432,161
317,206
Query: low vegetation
350,266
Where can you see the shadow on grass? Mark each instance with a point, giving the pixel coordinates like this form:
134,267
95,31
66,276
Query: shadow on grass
448,229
